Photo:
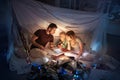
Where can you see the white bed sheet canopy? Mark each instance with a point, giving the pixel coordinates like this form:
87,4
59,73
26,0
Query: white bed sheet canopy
33,15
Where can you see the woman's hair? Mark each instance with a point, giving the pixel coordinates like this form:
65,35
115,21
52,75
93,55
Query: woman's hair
71,34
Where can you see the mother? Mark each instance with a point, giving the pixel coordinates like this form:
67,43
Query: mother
75,45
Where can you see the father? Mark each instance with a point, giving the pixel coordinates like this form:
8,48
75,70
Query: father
40,40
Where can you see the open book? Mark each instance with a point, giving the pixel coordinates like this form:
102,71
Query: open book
58,51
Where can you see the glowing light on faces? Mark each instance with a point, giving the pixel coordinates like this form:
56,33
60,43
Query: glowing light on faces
53,31
60,27
62,37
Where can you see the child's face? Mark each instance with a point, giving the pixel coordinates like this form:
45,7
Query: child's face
62,37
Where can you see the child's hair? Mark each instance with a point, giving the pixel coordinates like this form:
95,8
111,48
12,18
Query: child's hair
62,33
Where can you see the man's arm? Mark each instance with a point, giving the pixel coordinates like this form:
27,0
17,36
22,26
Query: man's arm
51,45
34,37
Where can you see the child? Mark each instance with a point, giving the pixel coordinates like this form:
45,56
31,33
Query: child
62,43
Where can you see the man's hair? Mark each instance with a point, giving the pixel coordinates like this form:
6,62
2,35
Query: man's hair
52,25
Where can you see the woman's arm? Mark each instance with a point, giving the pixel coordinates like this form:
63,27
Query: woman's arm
68,46
81,48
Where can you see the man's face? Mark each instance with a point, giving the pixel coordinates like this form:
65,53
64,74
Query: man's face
52,31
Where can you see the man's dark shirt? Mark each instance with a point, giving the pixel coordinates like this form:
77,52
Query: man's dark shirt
43,38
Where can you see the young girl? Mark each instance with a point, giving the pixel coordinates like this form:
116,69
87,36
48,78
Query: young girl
62,43
75,46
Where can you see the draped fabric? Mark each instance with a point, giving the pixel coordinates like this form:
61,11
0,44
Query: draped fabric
90,27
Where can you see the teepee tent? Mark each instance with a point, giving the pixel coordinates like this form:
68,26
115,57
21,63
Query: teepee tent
89,26
29,16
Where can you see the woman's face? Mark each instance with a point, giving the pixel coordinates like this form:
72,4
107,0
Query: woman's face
68,38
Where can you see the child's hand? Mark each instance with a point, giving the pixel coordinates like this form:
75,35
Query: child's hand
59,46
